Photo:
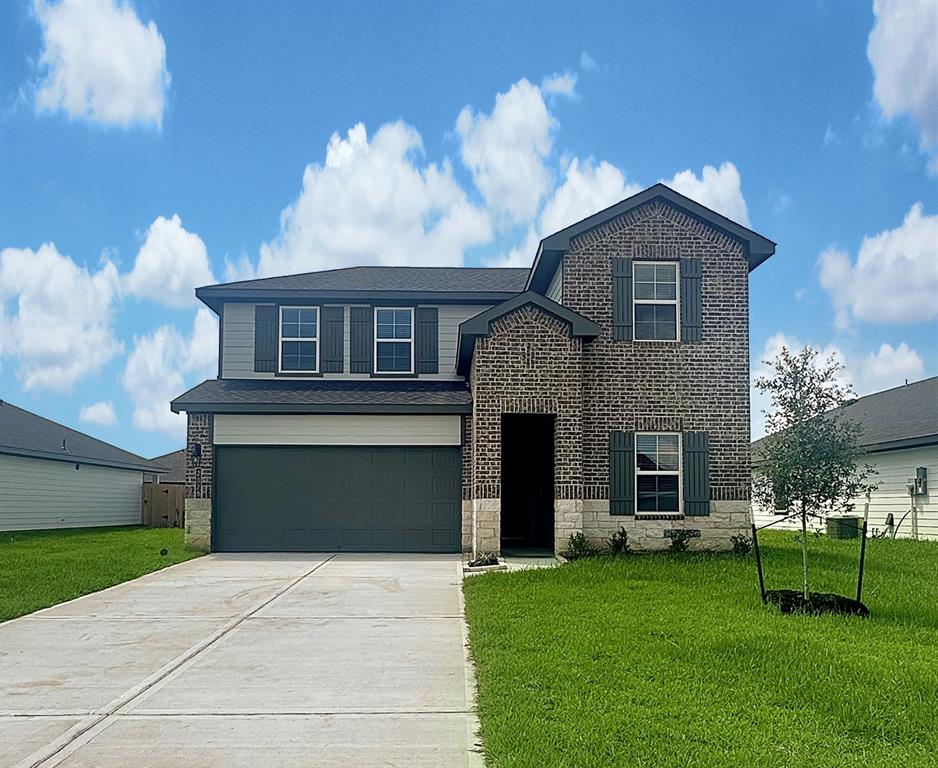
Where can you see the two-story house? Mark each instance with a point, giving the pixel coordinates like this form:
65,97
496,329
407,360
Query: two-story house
421,409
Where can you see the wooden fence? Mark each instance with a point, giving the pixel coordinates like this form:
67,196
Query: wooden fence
164,506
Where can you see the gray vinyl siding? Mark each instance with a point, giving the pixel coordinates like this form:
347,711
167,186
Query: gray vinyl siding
555,289
238,340
39,493
335,429
894,468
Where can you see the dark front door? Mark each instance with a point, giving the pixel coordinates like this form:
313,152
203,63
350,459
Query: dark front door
527,481
336,498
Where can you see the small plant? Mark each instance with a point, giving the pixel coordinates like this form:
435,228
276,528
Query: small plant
619,542
483,559
680,539
742,544
578,546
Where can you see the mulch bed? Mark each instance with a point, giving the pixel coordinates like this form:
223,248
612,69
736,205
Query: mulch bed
792,601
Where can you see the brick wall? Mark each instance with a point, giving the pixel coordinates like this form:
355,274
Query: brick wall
199,471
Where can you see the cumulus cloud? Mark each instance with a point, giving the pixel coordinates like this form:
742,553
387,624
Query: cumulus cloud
903,49
506,151
889,367
719,189
374,202
560,84
99,413
57,316
101,63
162,364
588,63
895,276
170,265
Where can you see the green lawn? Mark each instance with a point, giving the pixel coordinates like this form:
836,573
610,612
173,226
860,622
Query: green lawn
42,568
671,660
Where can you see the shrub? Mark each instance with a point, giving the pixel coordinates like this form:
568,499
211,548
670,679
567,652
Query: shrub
742,544
578,546
680,538
619,542
483,558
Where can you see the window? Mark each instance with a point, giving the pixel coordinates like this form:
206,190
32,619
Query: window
781,499
655,303
394,340
658,474
299,339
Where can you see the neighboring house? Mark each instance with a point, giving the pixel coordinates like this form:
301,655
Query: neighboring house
174,465
900,437
447,409
54,477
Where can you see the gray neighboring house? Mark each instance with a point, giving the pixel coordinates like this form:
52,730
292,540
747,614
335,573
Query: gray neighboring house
55,477
900,438
174,472
482,410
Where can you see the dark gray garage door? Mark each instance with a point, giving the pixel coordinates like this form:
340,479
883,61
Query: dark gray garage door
323,498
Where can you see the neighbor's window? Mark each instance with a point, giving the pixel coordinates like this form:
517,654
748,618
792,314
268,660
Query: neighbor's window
299,339
394,340
657,473
655,301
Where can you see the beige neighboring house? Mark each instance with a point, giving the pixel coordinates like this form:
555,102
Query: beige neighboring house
900,435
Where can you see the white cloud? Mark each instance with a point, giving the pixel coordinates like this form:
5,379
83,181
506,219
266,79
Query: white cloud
588,63
372,202
99,413
894,279
60,326
903,49
719,189
170,265
889,367
560,84
101,63
830,137
160,366
506,151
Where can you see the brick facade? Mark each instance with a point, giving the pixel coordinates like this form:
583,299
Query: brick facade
199,479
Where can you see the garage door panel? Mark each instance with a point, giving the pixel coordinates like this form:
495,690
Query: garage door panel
351,498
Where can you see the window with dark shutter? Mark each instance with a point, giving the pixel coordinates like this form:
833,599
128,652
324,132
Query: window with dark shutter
361,330
265,338
696,473
691,314
621,299
621,473
428,345
333,332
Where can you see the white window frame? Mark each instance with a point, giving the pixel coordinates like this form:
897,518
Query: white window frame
411,340
676,301
680,473
281,338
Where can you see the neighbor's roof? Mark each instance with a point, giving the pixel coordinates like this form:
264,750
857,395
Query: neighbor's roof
174,464
361,282
324,396
552,248
901,417
25,434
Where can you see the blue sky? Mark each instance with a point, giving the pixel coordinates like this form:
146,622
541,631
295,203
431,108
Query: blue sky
150,147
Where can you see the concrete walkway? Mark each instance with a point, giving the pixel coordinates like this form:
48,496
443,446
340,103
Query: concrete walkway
247,660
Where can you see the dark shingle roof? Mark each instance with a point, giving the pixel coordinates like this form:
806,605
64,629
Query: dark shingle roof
25,434
902,417
418,279
324,396
174,464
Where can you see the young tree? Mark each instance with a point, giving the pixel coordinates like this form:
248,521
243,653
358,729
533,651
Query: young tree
811,457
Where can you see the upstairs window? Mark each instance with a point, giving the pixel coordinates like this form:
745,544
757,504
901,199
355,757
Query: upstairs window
394,340
657,473
655,301
299,339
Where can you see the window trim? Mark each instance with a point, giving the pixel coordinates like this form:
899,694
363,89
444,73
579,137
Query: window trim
281,338
412,340
676,301
669,472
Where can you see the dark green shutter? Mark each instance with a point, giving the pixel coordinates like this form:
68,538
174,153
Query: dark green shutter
361,339
622,473
696,474
265,338
621,299
691,278
427,352
332,355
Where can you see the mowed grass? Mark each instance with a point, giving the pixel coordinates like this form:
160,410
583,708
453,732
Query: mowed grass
671,660
42,568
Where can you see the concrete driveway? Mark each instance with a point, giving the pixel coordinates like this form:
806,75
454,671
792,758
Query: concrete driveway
246,660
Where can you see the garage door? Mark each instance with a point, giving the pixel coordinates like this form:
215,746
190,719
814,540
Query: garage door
344,498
